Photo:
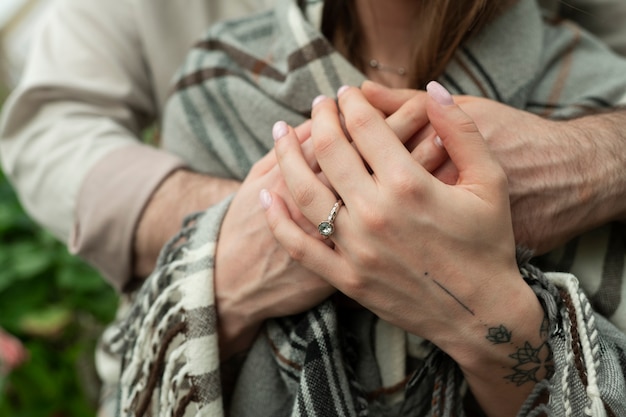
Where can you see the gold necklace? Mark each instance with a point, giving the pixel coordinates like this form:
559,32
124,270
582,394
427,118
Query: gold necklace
375,64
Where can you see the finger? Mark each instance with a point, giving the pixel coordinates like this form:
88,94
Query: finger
410,118
268,161
303,130
406,108
310,195
460,137
307,250
447,173
374,139
409,122
339,160
430,153
386,99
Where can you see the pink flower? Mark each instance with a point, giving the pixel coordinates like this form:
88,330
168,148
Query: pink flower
12,353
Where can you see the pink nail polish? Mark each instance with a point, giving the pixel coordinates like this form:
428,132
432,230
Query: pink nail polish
266,198
342,90
317,99
438,141
439,93
279,130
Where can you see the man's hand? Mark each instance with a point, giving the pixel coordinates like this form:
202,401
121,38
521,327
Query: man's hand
565,177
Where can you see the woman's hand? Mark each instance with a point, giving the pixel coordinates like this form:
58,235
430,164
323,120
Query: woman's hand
435,259
551,202
401,234
255,279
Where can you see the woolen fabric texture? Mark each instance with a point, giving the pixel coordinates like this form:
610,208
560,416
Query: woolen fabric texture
239,79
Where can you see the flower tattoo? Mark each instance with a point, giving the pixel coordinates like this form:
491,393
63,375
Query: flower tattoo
498,335
533,364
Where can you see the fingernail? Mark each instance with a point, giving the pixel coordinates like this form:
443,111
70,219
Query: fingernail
279,130
439,93
342,90
266,199
317,99
438,141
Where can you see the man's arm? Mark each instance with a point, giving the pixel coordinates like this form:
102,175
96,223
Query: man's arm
181,193
565,177
70,133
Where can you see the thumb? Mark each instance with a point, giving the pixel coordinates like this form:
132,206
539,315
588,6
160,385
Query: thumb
385,99
461,138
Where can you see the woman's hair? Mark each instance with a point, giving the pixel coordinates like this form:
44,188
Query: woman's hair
441,26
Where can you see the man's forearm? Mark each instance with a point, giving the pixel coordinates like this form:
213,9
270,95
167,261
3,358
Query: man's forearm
180,194
565,177
608,132
597,145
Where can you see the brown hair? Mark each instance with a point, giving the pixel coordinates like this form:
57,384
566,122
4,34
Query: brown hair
443,25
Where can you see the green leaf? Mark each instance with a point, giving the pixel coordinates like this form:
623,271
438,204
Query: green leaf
48,322
29,259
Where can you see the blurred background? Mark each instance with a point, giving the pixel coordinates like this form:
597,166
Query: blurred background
53,307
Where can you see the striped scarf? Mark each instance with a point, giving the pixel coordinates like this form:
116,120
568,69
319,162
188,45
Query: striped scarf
240,78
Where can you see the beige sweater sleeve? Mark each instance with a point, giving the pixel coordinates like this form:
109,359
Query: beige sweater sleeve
98,73
84,98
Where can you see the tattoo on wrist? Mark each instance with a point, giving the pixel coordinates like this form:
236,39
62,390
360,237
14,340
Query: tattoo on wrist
454,297
499,335
532,363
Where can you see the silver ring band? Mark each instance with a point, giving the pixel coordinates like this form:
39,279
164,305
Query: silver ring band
327,227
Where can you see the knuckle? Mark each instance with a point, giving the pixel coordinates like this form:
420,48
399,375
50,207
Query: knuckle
367,259
303,195
375,222
324,145
355,286
296,249
403,183
466,125
414,113
359,121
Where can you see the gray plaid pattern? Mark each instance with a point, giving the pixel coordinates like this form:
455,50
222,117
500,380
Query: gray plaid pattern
240,78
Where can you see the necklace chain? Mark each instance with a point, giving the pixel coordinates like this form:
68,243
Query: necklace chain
375,64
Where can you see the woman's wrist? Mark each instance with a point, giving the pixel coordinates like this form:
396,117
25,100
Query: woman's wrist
236,331
508,352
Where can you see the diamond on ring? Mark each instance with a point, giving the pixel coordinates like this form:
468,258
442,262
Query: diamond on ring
327,227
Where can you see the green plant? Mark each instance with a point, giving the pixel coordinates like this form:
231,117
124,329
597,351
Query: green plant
57,305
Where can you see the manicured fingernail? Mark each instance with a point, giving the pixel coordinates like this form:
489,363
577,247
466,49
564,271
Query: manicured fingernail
279,130
342,90
317,99
438,141
266,198
439,93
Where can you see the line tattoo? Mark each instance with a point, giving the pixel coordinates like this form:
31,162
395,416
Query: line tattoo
498,335
454,297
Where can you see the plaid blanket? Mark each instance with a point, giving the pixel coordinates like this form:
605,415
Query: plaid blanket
160,358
